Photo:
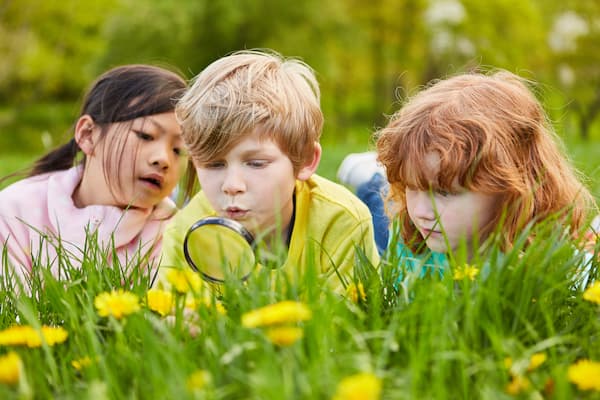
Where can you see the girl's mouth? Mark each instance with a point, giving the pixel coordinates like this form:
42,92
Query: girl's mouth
428,233
152,180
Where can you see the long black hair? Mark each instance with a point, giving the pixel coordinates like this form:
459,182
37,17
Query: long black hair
120,94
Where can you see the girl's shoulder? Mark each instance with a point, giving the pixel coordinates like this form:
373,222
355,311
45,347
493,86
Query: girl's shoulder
25,189
425,262
34,191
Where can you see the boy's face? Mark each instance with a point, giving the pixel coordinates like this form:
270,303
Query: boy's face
455,215
252,184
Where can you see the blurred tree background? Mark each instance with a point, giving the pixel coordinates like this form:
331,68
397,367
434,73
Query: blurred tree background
369,55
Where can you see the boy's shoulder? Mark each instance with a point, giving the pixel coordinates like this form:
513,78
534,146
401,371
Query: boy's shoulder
197,208
322,193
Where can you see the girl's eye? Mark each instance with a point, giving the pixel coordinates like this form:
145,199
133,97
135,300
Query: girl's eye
144,136
178,151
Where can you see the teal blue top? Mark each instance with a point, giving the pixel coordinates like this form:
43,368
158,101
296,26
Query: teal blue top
429,262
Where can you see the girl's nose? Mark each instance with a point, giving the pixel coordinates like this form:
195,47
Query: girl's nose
160,157
423,206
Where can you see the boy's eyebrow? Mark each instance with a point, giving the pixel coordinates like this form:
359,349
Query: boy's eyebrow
244,154
254,151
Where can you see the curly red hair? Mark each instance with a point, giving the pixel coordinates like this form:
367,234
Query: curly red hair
493,136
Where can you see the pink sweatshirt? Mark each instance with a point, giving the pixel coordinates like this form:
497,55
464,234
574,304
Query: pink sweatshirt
44,204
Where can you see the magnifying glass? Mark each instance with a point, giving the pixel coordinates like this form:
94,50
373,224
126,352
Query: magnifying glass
220,248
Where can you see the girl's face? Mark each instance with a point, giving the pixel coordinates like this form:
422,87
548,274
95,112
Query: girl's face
456,215
148,167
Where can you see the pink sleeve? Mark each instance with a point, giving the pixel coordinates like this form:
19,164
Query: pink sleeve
14,234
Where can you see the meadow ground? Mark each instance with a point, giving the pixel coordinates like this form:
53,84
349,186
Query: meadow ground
516,324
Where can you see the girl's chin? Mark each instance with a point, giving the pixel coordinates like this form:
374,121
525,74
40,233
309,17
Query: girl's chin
436,246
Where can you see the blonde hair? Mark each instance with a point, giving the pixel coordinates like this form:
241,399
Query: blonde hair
247,92
493,136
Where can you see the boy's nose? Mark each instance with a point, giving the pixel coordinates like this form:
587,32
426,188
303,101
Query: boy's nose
233,183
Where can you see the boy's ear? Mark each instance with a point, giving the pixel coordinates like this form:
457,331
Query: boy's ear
84,134
311,167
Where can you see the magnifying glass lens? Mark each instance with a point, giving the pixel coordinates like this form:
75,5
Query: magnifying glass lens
220,248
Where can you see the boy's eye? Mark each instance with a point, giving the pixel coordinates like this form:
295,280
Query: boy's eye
443,193
257,163
179,151
214,165
144,136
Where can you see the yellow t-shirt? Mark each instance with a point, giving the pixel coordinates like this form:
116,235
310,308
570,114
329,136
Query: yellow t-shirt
329,222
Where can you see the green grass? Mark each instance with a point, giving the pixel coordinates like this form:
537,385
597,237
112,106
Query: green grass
426,337
25,127
11,163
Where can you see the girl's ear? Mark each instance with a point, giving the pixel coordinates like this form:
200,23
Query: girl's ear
310,168
84,134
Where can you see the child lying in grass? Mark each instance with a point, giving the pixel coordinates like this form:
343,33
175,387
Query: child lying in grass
252,123
131,159
468,156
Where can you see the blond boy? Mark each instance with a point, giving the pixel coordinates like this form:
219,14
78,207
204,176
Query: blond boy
252,122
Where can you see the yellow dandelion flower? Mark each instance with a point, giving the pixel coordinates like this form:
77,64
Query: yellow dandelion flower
10,368
536,360
52,335
15,335
517,385
585,374
466,271
362,386
278,313
219,307
192,304
198,380
25,335
118,303
284,335
592,293
508,362
184,280
81,363
160,301
355,292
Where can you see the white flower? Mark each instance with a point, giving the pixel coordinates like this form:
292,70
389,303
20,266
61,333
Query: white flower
450,12
566,75
567,28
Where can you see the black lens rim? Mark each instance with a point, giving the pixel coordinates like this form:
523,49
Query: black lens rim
228,223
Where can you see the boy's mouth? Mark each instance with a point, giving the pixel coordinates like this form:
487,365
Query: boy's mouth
235,212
